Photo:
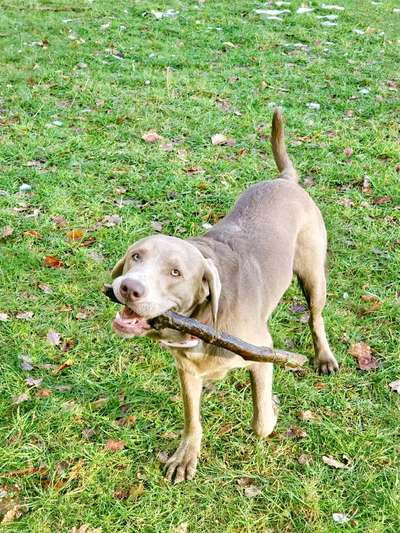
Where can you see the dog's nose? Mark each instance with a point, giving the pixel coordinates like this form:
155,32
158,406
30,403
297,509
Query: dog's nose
132,289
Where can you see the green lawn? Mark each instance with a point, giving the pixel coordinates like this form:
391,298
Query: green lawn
81,82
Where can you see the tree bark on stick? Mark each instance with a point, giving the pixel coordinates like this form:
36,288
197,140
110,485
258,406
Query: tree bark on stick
210,335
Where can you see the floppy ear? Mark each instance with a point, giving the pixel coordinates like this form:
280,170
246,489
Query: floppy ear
118,268
211,276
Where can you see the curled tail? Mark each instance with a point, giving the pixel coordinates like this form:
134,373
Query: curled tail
281,157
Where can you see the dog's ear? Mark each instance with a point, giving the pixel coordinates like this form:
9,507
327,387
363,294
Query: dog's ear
118,268
211,277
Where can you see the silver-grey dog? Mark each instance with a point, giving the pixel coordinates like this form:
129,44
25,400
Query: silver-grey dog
232,277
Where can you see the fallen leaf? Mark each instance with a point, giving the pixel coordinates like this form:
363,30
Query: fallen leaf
346,202
369,298
252,491
24,315
33,382
121,494
7,232
21,472
382,200
75,234
32,233
225,429
222,140
129,420
156,226
182,528
63,388
85,528
362,352
99,404
43,393
366,185
45,288
304,459
348,152
111,220
136,490
296,432
53,337
88,242
304,318
193,170
59,221
114,445
4,317
151,137
88,433
296,308
308,416
24,397
395,386
60,368
340,518
68,345
334,463
52,261
26,363
12,514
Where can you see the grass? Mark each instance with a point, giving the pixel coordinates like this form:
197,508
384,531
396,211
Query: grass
107,73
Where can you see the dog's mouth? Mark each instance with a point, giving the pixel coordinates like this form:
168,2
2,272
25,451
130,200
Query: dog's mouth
130,323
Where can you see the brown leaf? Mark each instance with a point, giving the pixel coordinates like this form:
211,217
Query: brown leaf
395,386
193,170
24,315
362,352
304,459
21,472
68,345
129,420
151,137
346,202
225,429
114,445
75,234
43,393
88,242
111,220
369,298
334,463
308,416
7,232
12,514
167,147
296,432
32,233
66,364
99,404
52,261
121,493
53,337
184,527
59,221
348,152
382,200
85,528
88,433
45,288
222,140
244,481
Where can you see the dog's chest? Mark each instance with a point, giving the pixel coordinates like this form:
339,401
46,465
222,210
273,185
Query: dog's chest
199,362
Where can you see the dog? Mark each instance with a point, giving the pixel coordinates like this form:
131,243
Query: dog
233,278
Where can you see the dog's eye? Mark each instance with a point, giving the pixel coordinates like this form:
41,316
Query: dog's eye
135,257
175,273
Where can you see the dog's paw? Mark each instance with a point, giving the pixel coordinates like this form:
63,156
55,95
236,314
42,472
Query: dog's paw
181,466
326,365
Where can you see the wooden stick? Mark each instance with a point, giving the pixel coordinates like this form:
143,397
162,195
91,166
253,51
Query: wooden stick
210,335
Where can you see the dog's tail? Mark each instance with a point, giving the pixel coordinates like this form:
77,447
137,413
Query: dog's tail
281,157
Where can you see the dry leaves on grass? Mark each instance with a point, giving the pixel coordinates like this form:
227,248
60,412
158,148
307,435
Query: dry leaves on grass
251,490
7,231
52,261
24,315
63,366
32,233
151,137
308,416
395,386
162,457
348,152
53,337
363,353
296,432
221,140
75,234
114,445
382,200
182,528
59,221
33,382
85,528
334,463
24,397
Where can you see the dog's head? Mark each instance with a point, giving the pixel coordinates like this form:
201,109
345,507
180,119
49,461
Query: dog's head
158,274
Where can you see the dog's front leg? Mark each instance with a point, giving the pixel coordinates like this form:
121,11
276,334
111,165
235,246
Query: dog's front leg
183,462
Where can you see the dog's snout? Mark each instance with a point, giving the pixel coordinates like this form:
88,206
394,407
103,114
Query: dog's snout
132,289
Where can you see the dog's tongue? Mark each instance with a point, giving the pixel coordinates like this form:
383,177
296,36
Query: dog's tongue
127,321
